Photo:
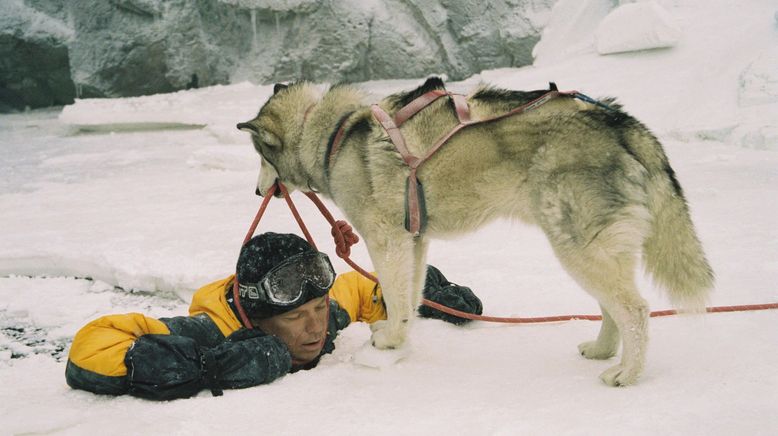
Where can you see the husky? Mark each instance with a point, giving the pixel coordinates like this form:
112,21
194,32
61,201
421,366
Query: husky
593,178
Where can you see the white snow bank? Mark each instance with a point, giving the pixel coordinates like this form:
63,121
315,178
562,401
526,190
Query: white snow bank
756,107
579,26
570,30
636,26
44,313
216,108
719,84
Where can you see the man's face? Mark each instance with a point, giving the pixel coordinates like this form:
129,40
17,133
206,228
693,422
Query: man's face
303,329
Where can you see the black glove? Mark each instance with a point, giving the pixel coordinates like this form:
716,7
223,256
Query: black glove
249,358
165,367
440,290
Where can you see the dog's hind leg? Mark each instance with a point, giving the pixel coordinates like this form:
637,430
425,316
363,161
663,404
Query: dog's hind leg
597,230
609,277
607,343
392,253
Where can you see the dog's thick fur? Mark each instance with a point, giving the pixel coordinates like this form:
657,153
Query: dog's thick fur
594,179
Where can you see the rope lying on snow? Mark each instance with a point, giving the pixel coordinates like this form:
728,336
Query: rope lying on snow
556,318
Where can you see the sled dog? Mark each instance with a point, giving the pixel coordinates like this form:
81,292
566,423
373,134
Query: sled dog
593,178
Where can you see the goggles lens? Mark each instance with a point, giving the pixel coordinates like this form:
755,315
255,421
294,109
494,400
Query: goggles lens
285,284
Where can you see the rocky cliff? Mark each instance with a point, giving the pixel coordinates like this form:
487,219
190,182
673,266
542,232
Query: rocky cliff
54,50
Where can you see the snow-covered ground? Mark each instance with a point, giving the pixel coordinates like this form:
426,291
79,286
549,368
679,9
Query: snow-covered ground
142,200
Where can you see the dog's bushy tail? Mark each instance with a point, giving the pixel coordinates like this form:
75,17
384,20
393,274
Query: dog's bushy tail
672,252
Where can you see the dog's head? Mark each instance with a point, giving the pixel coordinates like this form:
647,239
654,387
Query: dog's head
276,132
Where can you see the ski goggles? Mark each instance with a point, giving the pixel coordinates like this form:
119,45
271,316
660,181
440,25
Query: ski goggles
287,282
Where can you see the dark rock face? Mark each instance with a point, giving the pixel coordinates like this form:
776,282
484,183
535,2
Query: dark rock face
55,50
34,65
129,48
36,75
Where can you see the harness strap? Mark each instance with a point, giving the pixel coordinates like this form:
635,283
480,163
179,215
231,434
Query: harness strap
417,105
413,206
443,139
529,106
392,124
395,136
414,202
337,139
334,143
461,107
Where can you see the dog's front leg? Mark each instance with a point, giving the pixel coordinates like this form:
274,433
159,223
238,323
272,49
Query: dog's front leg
392,253
419,271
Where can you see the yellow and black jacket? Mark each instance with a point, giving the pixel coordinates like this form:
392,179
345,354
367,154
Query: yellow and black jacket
177,357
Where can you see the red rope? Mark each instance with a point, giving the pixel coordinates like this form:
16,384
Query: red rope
253,227
658,313
260,212
344,237
296,214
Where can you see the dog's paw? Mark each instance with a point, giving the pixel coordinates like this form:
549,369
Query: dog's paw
597,351
620,376
372,357
385,338
378,325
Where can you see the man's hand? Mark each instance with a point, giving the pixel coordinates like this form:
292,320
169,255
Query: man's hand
438,289
164,367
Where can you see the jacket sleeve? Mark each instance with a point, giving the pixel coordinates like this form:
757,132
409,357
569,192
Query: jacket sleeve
170,358
165,367
96,358
199,327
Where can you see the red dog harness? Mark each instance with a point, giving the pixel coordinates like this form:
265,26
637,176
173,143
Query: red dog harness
415,209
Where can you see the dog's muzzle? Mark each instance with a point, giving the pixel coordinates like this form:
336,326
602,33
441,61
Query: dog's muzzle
276,194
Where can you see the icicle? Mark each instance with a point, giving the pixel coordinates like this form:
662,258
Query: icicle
254,27
278,22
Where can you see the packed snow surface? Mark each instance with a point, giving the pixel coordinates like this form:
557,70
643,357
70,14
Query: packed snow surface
129,205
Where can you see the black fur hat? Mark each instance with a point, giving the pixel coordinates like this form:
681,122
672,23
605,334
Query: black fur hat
261,254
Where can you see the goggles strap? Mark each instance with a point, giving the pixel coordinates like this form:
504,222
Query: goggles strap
241,312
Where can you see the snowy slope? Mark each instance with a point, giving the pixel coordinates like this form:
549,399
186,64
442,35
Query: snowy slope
150,198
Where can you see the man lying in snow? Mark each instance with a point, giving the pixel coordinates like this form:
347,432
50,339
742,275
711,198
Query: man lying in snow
283,286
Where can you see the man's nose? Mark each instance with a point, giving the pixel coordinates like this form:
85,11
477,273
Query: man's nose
314,324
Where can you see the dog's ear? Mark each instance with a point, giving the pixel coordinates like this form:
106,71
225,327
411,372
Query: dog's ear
433,82
278,87
248,127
